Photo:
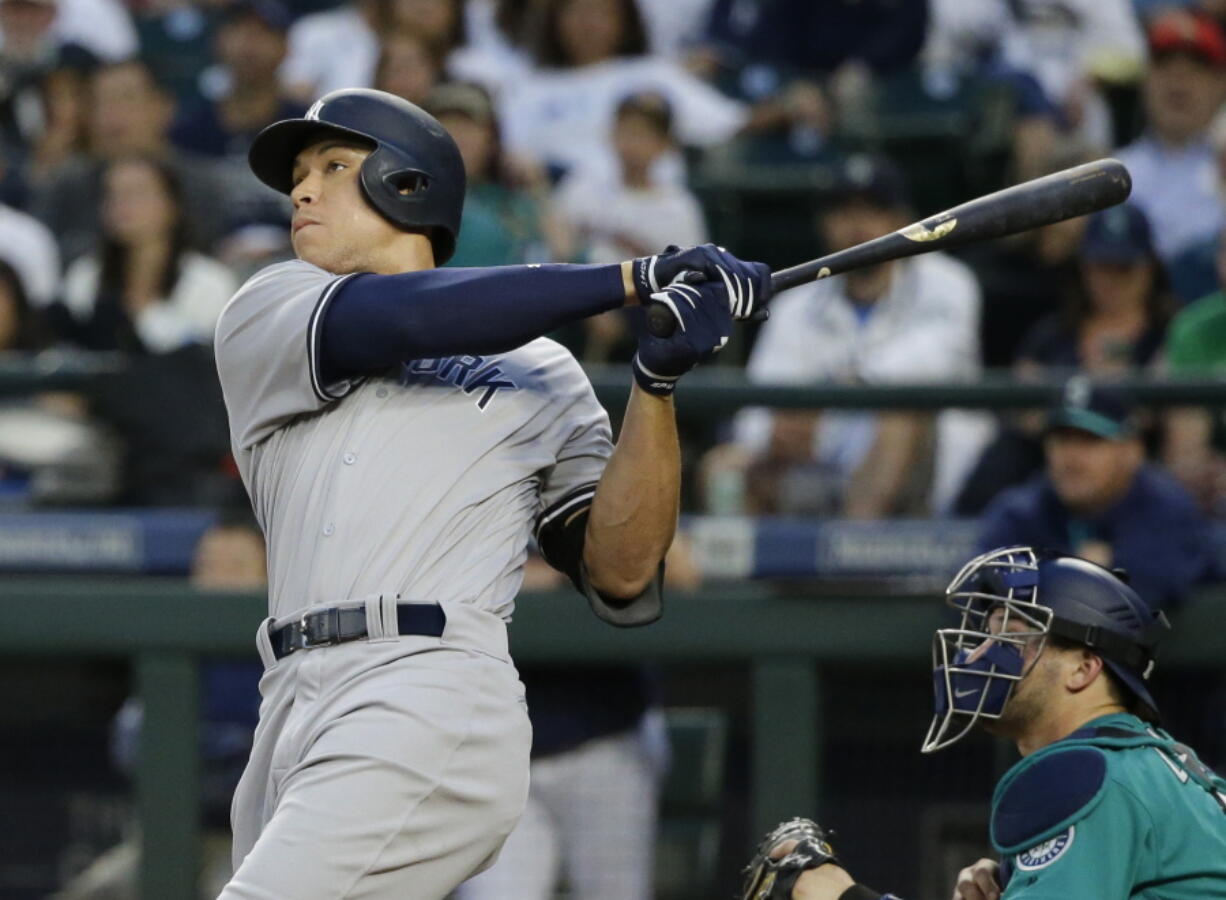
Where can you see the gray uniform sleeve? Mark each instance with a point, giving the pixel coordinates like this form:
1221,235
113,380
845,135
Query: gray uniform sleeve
587,443
567,489
267,350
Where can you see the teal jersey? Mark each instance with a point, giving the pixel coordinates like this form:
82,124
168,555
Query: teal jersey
1117,810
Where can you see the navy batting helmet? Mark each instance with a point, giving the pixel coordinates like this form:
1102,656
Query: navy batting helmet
414,175
1036,594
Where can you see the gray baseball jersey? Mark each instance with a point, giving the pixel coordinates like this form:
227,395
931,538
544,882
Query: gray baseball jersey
424,481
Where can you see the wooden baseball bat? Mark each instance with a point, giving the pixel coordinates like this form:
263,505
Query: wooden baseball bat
1053,198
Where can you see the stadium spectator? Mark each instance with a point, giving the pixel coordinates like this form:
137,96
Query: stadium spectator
176,42
29,53
501,34
1194,270
408,67
339,48
1057,59
1195,447
316,64
1099,499
628,213
832,39
506,209
591,54
625,213
144,290
49,453
907,320
1117,321
64,132
250,46
1113,322
1030,275
1071,48
1172,164
440,23
129,114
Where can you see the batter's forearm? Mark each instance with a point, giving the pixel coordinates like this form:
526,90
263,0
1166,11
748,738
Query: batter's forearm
634,514
378,321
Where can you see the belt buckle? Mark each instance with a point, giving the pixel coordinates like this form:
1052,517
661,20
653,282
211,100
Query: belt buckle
320,628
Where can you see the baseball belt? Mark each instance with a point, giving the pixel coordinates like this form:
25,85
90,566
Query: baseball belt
337,625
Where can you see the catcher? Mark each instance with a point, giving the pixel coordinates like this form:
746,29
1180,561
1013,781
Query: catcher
1053,653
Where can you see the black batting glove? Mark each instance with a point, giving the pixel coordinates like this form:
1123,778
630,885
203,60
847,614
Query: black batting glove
748,283
704,321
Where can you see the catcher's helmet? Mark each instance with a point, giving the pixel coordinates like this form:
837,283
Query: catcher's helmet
414,177
1039,594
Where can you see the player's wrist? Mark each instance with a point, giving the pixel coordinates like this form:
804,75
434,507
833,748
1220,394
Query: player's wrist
631,292
652,382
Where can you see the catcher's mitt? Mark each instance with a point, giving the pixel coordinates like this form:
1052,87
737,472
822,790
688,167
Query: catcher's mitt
774,879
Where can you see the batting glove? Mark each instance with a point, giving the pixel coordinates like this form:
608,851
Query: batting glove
748,283
704,320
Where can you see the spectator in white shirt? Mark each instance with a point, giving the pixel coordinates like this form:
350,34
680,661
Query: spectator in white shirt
334,49
497,48
103,27
627,212
902,321
144,290
339,48
1174,179
592,54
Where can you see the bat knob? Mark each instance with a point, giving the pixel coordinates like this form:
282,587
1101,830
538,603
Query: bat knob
660,321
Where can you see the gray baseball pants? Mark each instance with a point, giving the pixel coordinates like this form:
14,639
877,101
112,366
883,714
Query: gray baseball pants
391,767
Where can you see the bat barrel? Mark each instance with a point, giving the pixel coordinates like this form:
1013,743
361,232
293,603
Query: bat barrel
1063,195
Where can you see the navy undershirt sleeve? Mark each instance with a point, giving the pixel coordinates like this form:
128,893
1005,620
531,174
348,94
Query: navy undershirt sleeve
377,321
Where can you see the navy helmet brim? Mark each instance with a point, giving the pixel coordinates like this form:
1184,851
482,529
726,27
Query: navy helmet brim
274,149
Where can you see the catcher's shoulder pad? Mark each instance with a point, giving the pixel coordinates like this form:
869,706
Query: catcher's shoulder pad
1044,794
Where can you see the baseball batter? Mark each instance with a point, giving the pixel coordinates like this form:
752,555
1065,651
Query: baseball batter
403,431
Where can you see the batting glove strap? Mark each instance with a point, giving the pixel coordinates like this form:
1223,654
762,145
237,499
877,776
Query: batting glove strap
650,275
748,283
653,382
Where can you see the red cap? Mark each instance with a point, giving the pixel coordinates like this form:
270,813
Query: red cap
1187,32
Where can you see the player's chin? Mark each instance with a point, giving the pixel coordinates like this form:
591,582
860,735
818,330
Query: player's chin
309,248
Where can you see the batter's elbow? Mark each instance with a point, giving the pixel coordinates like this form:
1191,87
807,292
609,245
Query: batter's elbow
621,580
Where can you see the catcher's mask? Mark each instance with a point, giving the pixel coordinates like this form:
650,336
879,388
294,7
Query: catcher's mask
1016,597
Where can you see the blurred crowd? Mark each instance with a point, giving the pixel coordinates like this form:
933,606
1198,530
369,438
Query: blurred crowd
597,130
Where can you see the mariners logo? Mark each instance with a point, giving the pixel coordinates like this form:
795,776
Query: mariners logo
1046,853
